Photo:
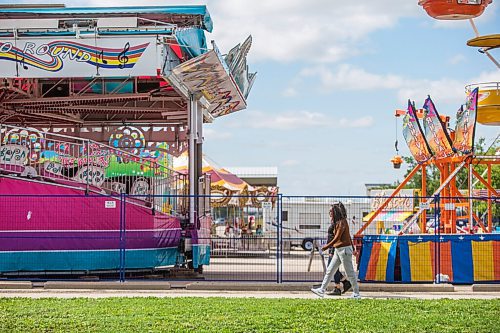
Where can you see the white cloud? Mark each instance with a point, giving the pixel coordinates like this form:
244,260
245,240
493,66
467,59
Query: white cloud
290,92
289,163
293,30
347,77
211,134
299,120
366,121
457,59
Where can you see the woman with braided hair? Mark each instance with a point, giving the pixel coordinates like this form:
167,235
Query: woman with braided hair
343,246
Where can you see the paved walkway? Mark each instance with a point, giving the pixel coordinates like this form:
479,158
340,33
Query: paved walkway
460,292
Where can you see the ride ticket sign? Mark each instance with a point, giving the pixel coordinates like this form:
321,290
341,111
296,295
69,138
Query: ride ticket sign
78,57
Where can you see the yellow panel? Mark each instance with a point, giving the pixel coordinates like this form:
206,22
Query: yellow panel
488,105
382,261
420,261
482,260
487,41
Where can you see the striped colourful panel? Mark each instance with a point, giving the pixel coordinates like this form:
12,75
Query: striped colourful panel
377,267
486,260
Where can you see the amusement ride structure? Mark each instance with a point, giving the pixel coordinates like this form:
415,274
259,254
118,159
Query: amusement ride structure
432,143
94,104
443,251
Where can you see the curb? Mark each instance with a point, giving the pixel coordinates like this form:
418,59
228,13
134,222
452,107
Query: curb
414,288
111,285
486,287
370,287
16,285
248,286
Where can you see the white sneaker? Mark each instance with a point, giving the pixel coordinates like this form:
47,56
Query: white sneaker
355,296
318,291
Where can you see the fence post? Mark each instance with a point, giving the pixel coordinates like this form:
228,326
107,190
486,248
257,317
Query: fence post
279,245
87,149
437,233
122,237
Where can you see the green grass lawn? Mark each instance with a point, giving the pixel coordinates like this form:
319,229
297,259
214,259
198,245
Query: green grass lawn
247,315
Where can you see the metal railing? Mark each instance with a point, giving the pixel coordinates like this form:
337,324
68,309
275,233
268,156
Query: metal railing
88,165
276,243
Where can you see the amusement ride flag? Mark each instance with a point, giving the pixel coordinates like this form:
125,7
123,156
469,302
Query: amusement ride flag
414,136
466,124
435,130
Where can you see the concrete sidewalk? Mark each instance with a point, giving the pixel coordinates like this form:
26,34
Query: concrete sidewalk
102,289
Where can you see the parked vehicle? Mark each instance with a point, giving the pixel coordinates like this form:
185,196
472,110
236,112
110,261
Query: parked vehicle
306,221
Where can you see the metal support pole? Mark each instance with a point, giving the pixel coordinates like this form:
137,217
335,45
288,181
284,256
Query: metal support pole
200,207
423,194
437,232
490,211
471,217
88,167
193,135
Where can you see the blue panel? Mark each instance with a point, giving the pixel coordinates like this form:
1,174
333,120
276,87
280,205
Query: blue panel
461,258
404,259
201,255
85,260
192,41
391,261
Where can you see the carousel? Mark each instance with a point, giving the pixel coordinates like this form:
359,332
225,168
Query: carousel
95,103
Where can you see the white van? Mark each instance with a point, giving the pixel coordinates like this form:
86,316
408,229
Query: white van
306,219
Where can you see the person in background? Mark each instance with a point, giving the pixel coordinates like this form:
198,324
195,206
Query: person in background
343,251
338,277
258,231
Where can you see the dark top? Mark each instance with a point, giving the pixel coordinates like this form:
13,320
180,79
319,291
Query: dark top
331,233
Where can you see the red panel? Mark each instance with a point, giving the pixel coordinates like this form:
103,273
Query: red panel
444,258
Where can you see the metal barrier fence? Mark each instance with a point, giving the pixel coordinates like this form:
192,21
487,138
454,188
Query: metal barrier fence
120,235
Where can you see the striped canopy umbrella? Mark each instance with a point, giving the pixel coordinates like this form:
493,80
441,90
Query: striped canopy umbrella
220,177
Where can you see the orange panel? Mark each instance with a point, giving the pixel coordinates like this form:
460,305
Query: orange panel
371,272
445,259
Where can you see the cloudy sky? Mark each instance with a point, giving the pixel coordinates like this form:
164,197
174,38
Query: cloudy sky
330,75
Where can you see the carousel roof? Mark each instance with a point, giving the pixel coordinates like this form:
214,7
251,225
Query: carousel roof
178,15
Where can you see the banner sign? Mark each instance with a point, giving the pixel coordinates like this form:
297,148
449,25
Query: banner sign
466,124
82,57
402,202
414,136
436,133
208,74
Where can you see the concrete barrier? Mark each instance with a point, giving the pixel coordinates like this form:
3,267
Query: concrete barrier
109,285
16,285
486,287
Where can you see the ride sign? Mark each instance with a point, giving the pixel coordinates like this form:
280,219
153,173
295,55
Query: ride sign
83,57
